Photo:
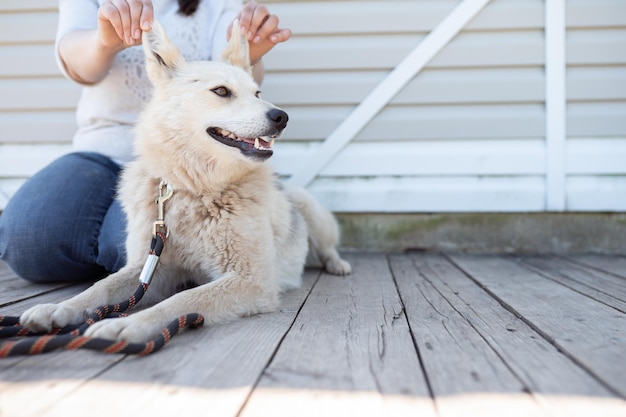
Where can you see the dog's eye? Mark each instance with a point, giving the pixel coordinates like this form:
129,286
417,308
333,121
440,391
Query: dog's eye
222,91
258,94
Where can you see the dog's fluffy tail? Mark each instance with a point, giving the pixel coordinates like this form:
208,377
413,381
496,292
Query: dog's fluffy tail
323,232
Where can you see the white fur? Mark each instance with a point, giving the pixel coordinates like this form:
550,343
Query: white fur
234,231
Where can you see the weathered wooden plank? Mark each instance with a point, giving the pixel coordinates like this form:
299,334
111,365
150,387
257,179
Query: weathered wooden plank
19,307
456,358
349,349
549,375
590,332
605,288
15,289
207,369
56,374
612,264
30,386
54,296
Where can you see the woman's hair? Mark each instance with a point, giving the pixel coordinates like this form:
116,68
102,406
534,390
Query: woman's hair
187,7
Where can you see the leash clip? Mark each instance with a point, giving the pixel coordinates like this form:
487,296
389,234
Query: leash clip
165,192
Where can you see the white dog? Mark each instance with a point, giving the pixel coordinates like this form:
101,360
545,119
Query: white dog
237,237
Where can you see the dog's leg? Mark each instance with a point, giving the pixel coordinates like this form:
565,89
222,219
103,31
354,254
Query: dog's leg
114,288
322,229
219,301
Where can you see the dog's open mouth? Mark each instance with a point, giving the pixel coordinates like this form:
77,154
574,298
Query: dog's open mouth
260,147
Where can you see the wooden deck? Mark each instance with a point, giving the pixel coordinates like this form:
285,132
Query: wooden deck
410,334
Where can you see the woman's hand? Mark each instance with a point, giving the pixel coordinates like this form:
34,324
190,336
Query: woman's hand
88,55
262,29
121,22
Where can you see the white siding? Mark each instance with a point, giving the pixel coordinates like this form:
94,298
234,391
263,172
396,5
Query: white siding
468,133
36,102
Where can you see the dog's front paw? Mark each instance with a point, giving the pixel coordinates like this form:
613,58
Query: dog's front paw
338,266
126,329
44,317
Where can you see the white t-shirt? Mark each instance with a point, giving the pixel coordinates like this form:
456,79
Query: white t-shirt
108,110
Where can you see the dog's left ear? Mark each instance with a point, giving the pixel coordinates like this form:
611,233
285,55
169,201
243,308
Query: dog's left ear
162,56
237,51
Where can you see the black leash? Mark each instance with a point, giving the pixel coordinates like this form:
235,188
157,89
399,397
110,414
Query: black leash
25,342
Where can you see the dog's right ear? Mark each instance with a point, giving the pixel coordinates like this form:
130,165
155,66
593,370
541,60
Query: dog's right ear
162,56
237,50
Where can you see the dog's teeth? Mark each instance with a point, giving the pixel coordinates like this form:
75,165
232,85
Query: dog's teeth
271,143
256,143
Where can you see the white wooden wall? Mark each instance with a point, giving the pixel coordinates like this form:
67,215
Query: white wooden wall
469,132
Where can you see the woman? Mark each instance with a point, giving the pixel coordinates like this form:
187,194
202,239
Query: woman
64,224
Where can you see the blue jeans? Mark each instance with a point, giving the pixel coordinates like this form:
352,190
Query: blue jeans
64,224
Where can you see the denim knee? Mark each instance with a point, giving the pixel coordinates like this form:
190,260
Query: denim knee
49,230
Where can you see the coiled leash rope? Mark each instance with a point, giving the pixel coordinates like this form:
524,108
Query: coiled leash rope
26,342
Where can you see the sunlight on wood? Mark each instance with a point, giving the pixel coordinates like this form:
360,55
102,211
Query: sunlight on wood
102,398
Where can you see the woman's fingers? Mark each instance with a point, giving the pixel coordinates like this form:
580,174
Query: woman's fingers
126,18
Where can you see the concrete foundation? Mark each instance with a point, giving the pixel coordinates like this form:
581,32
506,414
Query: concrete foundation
545,233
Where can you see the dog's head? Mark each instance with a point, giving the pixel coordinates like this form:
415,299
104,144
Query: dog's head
208,109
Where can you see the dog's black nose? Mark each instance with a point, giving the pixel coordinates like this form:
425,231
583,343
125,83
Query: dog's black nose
278,117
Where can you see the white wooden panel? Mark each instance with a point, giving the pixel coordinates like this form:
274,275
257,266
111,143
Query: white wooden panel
599,46
555,104
424,122
441,158
410,66
27,5
400,16
28,27
28,60
596,193
430,194
38,93
596,119
24,160
429,87
595,13
600,156
386,51
596,83
466,134
468,50
37,126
